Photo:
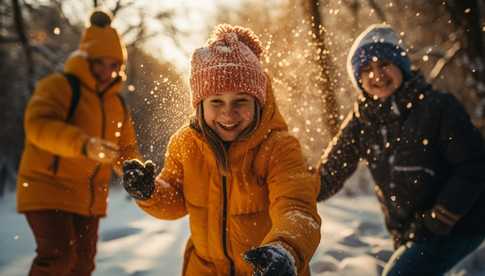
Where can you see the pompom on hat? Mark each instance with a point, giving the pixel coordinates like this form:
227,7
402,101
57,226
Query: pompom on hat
101,40
229,63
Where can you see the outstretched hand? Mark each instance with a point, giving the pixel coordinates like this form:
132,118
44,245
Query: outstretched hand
270,260
139,178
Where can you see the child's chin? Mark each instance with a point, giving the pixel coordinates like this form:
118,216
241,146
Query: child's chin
228,138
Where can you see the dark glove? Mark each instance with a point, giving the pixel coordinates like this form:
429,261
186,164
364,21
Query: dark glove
139,178
440,221
427,226
270,260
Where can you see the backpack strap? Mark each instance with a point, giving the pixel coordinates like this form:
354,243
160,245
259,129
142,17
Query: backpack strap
75,86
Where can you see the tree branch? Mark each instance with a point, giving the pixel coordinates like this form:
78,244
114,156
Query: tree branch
379,11
442,62
20,27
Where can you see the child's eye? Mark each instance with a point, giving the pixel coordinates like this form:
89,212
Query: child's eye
216,103
241,102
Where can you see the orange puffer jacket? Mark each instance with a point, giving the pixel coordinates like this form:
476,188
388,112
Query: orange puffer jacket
267,196
77,184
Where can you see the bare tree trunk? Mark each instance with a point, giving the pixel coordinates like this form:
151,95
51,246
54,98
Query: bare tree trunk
354,7
325,78
467,16
24,40
378,10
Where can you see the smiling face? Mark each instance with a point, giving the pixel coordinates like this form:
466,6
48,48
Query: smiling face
380,79
105,69
229,114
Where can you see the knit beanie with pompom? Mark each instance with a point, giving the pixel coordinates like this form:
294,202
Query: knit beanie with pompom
230,63
101,40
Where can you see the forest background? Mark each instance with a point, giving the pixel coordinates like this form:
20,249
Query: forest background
306,45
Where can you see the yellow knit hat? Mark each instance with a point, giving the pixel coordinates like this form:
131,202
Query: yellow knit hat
101,40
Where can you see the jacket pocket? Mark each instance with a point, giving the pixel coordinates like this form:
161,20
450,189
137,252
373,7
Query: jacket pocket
195,265
412,177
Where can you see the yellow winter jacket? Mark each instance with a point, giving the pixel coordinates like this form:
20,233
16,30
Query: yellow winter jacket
77,184
267,196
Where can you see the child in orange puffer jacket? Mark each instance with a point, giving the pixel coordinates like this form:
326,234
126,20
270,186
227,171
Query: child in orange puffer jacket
235,170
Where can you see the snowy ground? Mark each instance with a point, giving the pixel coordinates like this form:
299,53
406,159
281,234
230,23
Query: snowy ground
132,243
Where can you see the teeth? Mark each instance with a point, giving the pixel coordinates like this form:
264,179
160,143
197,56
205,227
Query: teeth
227,125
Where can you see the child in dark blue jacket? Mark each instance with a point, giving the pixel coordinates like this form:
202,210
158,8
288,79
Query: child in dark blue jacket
426,157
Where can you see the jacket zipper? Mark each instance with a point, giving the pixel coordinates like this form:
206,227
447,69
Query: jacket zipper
98,166
224,225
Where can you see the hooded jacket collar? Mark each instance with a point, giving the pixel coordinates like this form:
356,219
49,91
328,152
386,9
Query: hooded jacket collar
396,106
78,65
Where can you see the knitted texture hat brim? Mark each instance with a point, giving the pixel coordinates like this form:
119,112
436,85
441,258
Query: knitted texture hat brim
228,64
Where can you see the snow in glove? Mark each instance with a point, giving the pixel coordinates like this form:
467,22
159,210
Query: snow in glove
139,178
271,260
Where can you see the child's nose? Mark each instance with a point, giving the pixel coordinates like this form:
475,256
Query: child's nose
228,112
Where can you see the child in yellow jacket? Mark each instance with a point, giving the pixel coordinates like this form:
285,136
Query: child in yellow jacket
235,170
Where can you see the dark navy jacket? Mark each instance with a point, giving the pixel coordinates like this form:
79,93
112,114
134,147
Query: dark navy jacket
422,150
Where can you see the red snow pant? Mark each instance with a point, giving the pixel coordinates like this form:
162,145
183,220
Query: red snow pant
66,243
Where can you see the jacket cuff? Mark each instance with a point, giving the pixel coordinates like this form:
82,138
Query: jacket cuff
445,216
83,145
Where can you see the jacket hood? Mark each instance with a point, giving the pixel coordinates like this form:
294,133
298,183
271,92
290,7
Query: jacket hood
271,120
78,65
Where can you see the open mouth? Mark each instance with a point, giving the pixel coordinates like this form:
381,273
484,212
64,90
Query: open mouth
228,126
382,83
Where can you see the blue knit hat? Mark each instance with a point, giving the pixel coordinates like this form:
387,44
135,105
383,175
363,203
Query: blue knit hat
381,42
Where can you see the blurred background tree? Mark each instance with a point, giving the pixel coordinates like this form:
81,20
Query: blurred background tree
306,45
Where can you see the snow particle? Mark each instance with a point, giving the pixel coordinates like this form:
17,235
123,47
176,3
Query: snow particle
393,198
57,31
131,88
25,184
409,105
425,58
387,145
117,134
16,237
421,96
425,141
468,10
101,155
